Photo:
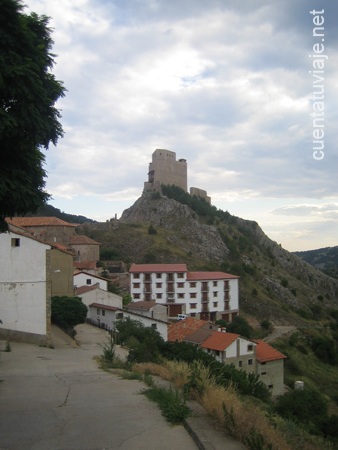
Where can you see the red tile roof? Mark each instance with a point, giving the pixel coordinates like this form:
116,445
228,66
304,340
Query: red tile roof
157,268
220,341
265,353
195,276
141,305
107,307
39,222
88,265
179,330
79,239
84,289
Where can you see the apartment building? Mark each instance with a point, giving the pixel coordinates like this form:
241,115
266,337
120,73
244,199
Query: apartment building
204,295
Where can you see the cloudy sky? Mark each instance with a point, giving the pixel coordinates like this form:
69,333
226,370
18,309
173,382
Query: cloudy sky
227,85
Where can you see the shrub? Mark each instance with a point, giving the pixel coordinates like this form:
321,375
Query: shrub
241,326
151,229
67,312
306,406
108,351
171,403
325,349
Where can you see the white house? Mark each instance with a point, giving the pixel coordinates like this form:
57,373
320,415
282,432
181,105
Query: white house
105,317
232,348
93,294
83,278
206,295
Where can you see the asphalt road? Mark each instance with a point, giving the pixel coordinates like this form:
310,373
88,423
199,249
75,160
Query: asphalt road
58,399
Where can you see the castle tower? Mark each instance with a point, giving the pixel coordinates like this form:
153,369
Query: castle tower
164,169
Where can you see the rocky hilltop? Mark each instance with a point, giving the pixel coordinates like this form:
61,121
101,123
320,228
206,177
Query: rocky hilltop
190,234
275,284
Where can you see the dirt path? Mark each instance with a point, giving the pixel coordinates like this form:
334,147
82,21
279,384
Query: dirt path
280,331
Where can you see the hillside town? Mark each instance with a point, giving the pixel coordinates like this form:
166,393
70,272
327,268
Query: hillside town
44,257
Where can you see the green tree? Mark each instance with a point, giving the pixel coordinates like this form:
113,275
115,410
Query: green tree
28,117
67,312
240,326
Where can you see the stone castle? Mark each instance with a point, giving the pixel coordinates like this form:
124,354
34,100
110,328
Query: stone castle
165,169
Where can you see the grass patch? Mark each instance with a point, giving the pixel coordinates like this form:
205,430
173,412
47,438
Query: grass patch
171,402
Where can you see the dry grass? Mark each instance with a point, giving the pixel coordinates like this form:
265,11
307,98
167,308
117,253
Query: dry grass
240,418
153,369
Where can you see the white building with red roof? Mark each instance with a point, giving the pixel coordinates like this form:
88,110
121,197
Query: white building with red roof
205,295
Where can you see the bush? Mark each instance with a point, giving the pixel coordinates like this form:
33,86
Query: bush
240,326
325,349
151,229
171,402
305,406
67,312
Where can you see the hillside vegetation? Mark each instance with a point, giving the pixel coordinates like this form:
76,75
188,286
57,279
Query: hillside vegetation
275,284
325,259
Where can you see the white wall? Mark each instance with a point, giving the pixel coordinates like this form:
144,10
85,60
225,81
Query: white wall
80,279
102,297
23,284
109,317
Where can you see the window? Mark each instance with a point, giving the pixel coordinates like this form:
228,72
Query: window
136,285
119,316
136,275
214,283
250,348
263,373
154,325
15,242
180,275
180,295
147,277
193,314
193,305
98,312
215,304
88,281
250,362
158,275
192,284
240,363
158,296
215,293
180,285
103,312
158,285
137,296
193,295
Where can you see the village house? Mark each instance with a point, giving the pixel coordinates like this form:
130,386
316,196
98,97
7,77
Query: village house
270,367
252,356
94,294
53,230
105,317
31,272
83,278
149,309
231,348
204,295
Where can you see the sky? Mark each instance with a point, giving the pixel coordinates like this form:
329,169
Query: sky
245,91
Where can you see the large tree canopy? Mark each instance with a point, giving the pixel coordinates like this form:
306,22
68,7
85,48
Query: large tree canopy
29,120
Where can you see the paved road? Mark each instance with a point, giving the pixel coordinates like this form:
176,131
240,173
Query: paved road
58,399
